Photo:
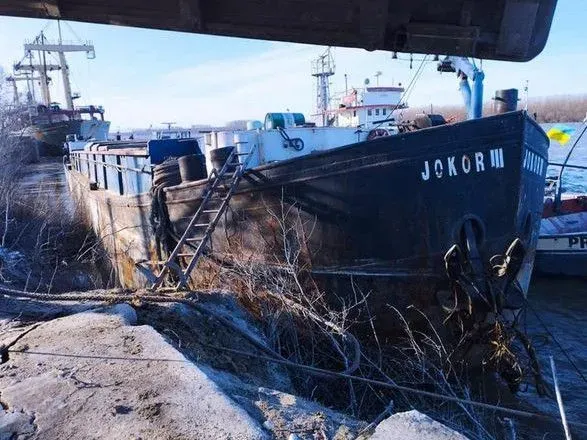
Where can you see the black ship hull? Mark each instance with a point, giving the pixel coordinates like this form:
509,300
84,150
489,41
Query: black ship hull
384,213
51,136
376,217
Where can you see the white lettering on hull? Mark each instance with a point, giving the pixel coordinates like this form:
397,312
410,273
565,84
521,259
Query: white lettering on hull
450,166
426,172
452,171
534,163
438,168
466,164
479,165
496,158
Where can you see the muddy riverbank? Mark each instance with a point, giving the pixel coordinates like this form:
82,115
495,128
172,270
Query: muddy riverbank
105,372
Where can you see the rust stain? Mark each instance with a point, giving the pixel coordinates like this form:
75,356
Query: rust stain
127,270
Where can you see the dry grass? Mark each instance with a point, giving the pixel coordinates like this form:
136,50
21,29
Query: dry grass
303,326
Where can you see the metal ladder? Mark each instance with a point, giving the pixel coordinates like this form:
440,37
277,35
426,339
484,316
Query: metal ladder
191,245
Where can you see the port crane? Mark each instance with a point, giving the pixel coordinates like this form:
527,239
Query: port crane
465,69
29,80
41,45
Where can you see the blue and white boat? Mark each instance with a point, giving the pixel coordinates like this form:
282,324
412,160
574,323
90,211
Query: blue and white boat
562,244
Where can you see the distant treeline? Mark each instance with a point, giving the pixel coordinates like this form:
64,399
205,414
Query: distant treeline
572,108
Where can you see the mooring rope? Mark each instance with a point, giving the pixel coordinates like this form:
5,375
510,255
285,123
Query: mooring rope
116,295
323,372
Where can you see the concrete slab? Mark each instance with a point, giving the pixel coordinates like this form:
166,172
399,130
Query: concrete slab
80,377
413,425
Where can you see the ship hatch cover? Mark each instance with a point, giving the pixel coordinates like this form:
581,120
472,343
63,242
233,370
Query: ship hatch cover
513,30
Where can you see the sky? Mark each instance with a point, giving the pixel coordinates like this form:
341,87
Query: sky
146,77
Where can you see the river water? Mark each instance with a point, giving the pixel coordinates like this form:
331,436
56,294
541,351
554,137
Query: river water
573,180
558,311
44,182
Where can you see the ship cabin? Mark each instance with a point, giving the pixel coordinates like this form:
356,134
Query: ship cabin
54,113
369,106
171,134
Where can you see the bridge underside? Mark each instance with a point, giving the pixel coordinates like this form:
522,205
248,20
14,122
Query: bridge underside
514,30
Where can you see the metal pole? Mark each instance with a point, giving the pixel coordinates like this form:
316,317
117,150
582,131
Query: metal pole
66,83
44,77
64,73
477,96
15,91
526,95
559,400
32,89
466,93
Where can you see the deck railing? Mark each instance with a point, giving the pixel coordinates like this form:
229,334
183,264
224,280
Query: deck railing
124,171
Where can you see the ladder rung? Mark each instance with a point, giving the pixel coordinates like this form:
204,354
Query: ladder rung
220,187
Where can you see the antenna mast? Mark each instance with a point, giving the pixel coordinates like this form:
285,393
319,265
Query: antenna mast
377,75
322,70
169,124
526,93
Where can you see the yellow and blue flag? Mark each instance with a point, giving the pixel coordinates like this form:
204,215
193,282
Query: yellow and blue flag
560,133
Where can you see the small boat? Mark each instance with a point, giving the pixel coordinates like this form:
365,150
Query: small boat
562,245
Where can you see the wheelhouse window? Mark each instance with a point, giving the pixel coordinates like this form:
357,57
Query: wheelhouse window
384,111
369,112
376,112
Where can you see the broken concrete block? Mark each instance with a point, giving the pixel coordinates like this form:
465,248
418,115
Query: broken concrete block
413,425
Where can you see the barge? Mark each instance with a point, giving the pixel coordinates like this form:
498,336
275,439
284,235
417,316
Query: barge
384,214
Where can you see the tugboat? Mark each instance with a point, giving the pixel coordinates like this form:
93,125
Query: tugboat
47,122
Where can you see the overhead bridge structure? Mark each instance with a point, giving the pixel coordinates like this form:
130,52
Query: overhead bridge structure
513,30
